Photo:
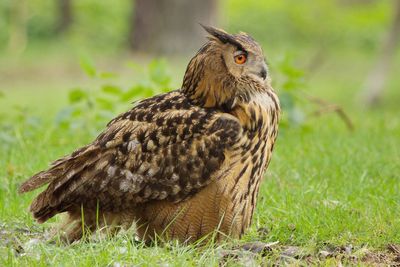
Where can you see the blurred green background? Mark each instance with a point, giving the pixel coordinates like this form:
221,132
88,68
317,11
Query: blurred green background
69,66
336,41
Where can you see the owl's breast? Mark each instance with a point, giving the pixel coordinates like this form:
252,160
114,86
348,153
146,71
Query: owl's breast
259,118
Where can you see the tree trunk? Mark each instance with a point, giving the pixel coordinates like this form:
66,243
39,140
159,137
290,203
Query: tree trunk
18,27
376,80
64,16
170,26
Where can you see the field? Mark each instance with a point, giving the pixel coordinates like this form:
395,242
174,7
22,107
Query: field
330,195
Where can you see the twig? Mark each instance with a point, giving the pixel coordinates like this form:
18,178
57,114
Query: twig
326,107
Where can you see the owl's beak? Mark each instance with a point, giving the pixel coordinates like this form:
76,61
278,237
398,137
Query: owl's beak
263,73
260,71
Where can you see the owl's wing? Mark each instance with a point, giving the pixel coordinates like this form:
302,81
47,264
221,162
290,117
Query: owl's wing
161,149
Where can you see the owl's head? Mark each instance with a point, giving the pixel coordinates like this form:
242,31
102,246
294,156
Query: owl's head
227,68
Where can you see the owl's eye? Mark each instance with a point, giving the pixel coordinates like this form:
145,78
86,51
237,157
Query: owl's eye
240,58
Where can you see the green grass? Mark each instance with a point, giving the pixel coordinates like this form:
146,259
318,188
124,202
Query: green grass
325,187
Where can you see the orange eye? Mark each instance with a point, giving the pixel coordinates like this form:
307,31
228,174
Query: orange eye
240,59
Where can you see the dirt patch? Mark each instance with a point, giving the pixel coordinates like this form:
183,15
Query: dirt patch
20,237
391,256
275,254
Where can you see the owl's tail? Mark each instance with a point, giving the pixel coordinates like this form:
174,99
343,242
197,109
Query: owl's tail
57,169
60,174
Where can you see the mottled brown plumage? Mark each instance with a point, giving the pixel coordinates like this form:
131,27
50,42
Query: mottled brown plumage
180,165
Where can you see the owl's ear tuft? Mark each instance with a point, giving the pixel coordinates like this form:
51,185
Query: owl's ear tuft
222,36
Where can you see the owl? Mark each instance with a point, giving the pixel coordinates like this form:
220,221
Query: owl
180,165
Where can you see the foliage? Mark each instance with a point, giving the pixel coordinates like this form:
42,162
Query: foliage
290,80
90,18
105,24
17,126
90,109
326,23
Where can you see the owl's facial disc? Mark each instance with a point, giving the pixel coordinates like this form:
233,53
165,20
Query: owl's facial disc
246,63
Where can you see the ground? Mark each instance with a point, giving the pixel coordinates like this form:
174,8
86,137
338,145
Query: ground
330,195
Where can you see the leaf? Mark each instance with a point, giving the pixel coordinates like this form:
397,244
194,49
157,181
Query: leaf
158,72
77,112
107,75
148,92
76,95
293,76
133,93
88,66
105,103
112,89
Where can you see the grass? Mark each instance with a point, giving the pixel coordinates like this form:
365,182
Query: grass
326,188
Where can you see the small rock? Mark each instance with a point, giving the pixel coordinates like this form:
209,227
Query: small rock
241,257
394,248
31,244
291,251
348,249
331,203
259,247
396,259
324,254
292,226
122,250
